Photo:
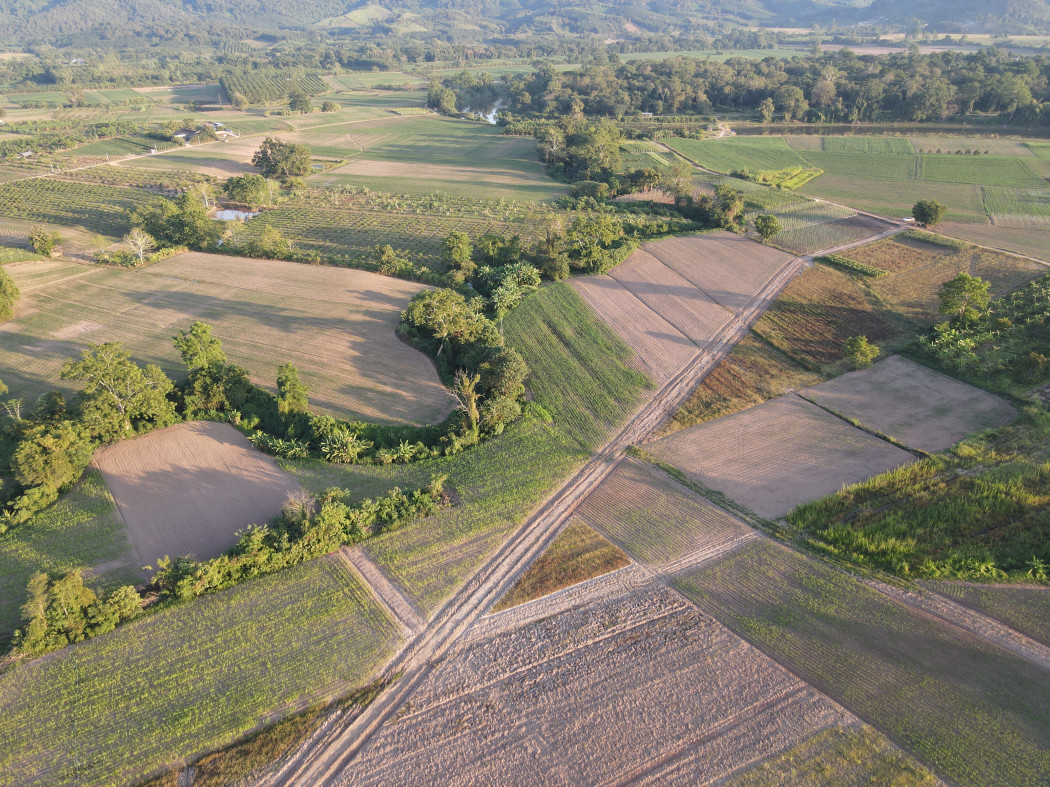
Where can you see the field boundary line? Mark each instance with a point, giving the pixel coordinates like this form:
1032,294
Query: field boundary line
400,608
321,763
969,620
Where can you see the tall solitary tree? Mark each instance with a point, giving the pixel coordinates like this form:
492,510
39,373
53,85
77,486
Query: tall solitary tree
767,225
198,348
928,212
278,159
140,242
291,393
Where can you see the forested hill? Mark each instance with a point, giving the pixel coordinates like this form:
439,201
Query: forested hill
62,21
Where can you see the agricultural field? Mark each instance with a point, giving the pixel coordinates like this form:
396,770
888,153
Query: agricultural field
636,685
583,379
336,325
729,154
773,456
1024,608
657,521
827,234
101,209
190,488
423,155
575,555
801,338
917,406
190,678
975,713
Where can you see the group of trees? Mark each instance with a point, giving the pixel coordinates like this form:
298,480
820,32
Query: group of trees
836,86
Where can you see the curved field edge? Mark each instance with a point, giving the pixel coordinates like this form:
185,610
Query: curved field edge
191,678
970,711
583,387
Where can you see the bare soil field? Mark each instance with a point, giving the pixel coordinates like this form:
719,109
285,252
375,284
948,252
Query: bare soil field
1033,242
188,489
575,555
776,455
658,521
636,686
911,403
660,348
672,297
1024,608
686,307
336,325
976,713
729,268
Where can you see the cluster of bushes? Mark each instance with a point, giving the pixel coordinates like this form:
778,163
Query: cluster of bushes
1006,337
307,528
852,266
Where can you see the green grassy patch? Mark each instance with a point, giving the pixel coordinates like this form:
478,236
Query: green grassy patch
190,678
754,154
576,554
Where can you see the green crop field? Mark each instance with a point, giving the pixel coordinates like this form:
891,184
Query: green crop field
191,678
738,153
969,710
1025,608
102,209
580,377
867,145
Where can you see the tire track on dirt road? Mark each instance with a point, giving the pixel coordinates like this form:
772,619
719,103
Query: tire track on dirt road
322,758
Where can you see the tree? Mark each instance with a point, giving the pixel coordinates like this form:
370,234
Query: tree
198,348
928,212
964,297
252,190
675,178
140,242
271,243
51,455
504,298
8,296
277,159
44,241
329,106
119,397
291,393
860,353
298,101
767,225
458,253
766,109
464,386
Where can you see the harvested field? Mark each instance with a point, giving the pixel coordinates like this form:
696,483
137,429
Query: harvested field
636,686
576,554
729,268
1033,242
911,403
1024,608
673,296
975,713
660,348
824,235
658,521
188,489
336,325
686,307
774,456
191,678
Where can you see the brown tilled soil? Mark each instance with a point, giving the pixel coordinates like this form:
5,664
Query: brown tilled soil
781,453
637,686
919,407
188,489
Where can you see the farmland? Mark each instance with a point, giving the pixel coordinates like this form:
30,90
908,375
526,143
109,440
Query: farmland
266,312
188,489
656,520
633,685
102,209
917,406
1025,608
576,554
190,678
778,454
975,713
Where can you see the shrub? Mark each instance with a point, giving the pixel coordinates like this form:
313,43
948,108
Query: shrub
860,353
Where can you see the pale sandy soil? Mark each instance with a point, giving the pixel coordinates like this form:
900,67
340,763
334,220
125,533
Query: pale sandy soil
637,685
921,408
188,489
778,454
